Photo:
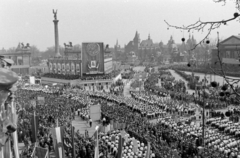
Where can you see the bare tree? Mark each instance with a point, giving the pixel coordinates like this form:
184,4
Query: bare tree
208,27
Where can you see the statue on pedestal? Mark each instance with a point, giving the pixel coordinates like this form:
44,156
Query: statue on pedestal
55,14
68,46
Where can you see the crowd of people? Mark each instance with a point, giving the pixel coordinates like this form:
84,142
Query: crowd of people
178,139
58,110
117,87
177,90
153,116
74,77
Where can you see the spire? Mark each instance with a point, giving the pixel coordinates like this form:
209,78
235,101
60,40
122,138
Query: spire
117,43
136,38
136,35
149,36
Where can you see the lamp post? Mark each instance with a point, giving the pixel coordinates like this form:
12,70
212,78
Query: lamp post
204,95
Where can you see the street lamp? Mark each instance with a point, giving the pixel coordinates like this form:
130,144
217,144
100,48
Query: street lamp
204,87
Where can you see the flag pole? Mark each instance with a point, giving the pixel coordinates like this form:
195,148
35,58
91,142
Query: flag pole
96,147
14,134
35,125
57,122
2,153
47,154
33,150
73,146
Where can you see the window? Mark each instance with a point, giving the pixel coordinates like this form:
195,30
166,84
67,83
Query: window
231,54
227,55
236,54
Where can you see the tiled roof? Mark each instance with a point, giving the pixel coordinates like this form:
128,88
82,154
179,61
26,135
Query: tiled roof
146,43
238,36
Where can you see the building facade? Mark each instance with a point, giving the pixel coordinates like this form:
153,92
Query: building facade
71,63
228,52
21,57
148,51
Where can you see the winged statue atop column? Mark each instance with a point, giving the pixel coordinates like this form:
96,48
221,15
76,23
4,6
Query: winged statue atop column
55,14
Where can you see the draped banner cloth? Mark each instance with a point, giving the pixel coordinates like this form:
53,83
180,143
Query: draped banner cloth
58,134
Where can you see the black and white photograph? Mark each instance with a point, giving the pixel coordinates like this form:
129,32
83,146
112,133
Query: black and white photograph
120,79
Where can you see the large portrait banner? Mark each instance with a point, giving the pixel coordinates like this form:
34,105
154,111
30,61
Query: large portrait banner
73,68
50,67
67,68
55,68
63,68
59,68
92,58
77,68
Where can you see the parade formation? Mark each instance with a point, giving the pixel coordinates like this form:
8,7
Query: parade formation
143,125
85,104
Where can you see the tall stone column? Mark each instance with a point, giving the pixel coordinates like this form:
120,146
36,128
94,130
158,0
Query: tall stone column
55,21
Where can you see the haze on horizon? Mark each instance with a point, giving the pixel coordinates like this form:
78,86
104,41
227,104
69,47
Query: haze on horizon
31,21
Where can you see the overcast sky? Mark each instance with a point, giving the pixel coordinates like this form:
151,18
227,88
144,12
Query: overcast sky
31,21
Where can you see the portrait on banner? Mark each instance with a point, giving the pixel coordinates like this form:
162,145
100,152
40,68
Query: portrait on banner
63,68
73,68
92,58
50,67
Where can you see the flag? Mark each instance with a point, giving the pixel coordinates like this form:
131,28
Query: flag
107,129
33,103
7,150
15,144
111,125
114,125
34,127
14,118
148,151
123,125
57,122
13,114
58,134
41,100
96,153
73,146
135,146
1,152
40,152
113,138
123,133
120,145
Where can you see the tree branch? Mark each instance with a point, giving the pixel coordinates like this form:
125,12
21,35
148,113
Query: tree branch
211,25
200,26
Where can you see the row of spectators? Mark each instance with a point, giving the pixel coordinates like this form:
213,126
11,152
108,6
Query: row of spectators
76,76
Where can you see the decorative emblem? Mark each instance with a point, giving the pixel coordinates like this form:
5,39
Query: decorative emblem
93,49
